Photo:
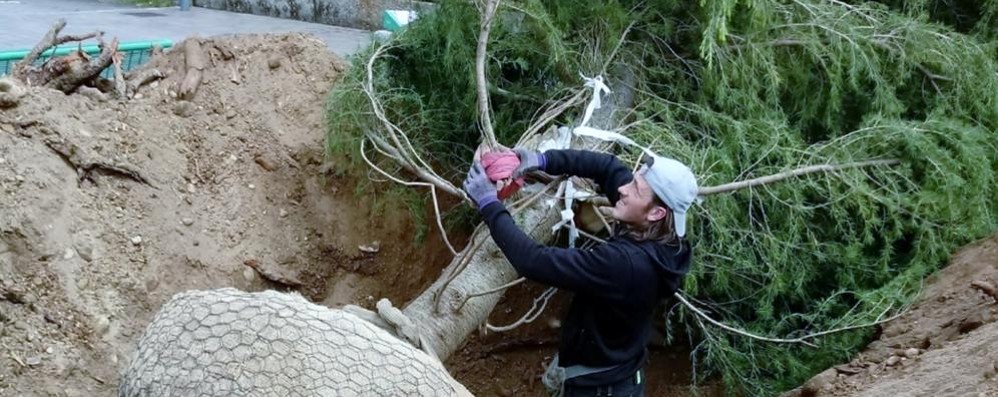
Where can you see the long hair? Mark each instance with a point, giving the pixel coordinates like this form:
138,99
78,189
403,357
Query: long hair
662,231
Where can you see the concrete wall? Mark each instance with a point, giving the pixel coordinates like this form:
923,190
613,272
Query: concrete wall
360,14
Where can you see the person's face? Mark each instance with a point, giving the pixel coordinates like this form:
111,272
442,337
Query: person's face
636,205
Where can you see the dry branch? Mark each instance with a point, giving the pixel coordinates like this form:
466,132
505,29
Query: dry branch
730,187
484,110
51,39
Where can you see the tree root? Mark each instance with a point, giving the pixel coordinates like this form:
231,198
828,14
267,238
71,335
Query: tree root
194,59
986,288
137,79
85,170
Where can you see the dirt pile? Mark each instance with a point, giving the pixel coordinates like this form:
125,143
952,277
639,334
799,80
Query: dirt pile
946,345
108,208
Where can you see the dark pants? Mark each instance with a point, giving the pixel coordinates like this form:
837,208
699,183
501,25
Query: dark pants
632,386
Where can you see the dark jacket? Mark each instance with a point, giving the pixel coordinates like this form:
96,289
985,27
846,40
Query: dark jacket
617,285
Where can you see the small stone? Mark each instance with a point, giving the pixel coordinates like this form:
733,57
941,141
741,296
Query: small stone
151,283
189,201
249,274
154,84
21,325
251,186
821,382
893,360
19,178
911,353
136,240
187,221
183,108
282,213
190,188
197,243
230,114
139,96
371,248
49,350
33,361
68,254
102,325
86,252
274,62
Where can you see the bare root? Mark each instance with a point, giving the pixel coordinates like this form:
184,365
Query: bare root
194,59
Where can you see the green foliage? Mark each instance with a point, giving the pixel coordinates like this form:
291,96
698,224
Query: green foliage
741,89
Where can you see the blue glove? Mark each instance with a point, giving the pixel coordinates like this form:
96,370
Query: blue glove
529,161
480,189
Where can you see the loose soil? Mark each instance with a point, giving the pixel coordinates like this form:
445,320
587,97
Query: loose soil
946,345
236,174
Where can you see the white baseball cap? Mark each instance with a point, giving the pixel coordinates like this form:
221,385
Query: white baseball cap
674,183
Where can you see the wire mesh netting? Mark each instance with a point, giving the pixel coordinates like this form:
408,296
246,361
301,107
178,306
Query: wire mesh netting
228,342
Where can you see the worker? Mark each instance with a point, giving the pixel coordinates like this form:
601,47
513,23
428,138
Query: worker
617,285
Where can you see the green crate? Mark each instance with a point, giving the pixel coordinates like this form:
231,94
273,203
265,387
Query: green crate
134,54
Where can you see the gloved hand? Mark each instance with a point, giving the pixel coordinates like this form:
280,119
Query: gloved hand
530,160
480,189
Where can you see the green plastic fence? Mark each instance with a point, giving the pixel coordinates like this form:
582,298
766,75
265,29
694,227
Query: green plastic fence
134,53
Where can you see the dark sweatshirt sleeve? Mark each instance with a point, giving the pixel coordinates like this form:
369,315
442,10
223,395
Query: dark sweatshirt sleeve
605,169
602,271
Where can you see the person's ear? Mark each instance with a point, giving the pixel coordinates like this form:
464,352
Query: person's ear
656,213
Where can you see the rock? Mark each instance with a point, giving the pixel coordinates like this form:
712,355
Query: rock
86,252
10,93
911,352
893,360
187,221
820,383
282,213
68,254
19,178
102,325
14,296
274,62
33,361
372,248
251,186
230,114
183,108
191,189
92,93
48,350
249,274
136,240
21,325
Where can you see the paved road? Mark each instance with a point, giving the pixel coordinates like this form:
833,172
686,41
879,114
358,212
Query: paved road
26,21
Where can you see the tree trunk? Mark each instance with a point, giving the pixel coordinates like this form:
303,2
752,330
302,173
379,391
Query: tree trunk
445,329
